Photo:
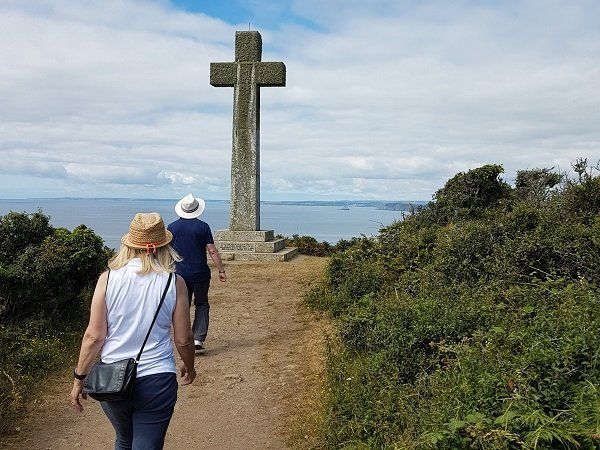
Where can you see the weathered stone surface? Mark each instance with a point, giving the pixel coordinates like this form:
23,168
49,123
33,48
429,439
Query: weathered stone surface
228,246
245,236
244,209
270,74
255,247
243,239
227,256
246,75
223,74
248,46
282,255
270,246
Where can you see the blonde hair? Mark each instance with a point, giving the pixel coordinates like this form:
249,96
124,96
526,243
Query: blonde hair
162,261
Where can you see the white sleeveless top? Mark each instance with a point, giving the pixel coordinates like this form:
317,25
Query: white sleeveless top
131,301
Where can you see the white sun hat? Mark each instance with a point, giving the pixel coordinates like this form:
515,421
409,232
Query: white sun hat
190,207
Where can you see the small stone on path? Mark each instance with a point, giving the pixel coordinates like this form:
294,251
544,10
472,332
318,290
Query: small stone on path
233,376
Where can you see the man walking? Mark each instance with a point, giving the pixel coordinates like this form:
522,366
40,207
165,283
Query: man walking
192,238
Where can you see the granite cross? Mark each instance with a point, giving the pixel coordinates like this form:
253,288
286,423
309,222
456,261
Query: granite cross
246,75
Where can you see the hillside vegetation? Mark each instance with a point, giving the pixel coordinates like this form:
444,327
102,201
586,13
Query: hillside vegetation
47,277
473,323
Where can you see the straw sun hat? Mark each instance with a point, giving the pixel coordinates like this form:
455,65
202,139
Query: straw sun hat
147,232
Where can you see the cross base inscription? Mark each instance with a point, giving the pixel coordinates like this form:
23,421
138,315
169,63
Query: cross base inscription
252,246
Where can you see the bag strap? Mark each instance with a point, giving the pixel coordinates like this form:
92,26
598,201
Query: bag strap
162,299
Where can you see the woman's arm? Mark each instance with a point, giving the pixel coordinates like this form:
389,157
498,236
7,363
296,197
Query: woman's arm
182,332
93,338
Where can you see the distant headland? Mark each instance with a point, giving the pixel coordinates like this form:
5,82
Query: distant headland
403,205
387,205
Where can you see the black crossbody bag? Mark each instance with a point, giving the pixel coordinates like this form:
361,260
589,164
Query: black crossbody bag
114,381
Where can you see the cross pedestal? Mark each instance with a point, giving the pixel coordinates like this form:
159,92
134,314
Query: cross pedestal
253,246
247,74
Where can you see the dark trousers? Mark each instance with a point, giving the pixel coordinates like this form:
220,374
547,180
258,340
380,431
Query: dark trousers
141,421
200,292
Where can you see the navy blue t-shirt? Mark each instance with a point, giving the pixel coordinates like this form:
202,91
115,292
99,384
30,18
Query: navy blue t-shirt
190,238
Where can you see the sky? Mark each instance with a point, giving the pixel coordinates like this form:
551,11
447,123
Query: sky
385,99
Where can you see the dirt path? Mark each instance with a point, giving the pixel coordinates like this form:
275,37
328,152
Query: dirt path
262,362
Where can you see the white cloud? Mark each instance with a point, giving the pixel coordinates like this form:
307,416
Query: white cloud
178,178
26,166
387,100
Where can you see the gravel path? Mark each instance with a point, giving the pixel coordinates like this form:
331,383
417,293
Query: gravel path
255,380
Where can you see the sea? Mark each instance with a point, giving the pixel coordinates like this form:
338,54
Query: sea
110,218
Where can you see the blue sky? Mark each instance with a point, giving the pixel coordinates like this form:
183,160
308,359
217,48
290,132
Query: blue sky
239,11
258,14
385,99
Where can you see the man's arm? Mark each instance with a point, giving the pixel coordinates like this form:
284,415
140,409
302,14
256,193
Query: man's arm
214,255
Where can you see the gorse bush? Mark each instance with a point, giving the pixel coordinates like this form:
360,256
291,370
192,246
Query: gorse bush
47,277
473,323
308,245
43,279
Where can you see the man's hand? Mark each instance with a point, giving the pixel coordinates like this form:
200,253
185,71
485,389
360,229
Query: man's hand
187,375
222,276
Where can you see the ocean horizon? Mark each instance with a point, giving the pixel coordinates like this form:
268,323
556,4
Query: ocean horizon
109,217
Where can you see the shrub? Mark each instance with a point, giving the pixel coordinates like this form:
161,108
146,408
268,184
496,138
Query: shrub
308,245
474,322
582,196
536,184
19,231
467,194
46,281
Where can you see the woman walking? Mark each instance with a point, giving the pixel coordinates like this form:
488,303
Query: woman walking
124,304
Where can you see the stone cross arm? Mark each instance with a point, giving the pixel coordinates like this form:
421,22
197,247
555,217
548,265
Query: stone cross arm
225,74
